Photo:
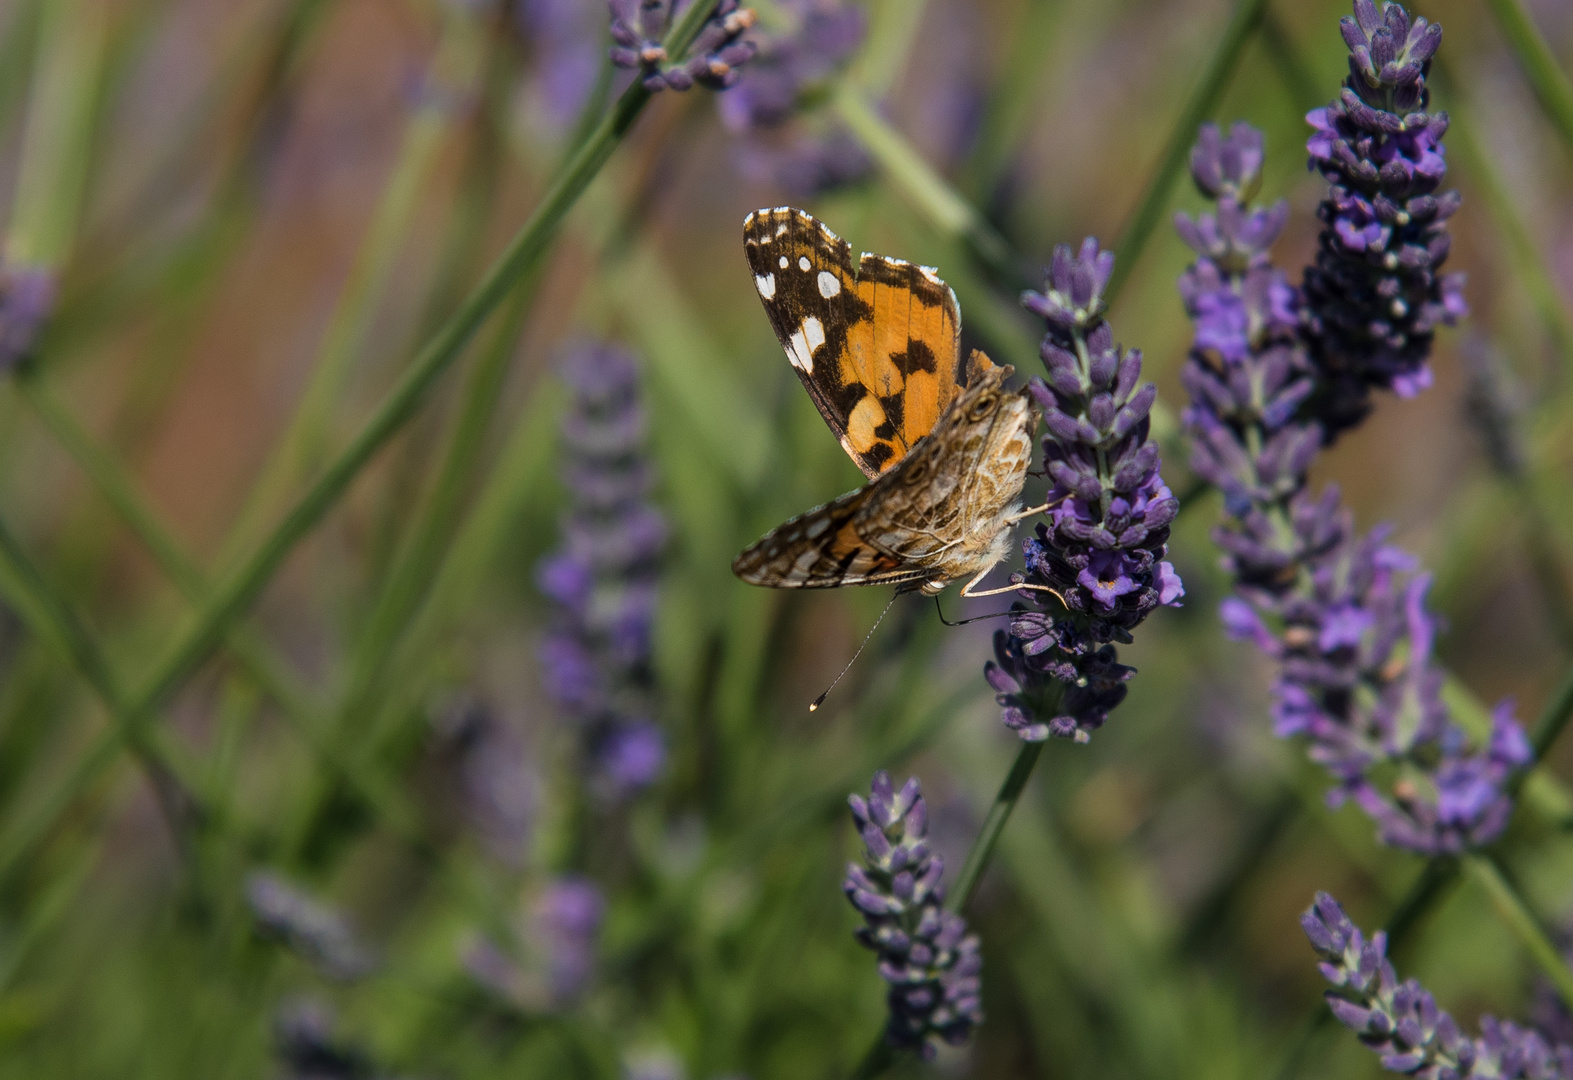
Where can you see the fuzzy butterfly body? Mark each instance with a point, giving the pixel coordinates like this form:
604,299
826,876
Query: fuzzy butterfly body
945,444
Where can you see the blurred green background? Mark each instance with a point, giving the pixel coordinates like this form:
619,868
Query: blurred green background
259,210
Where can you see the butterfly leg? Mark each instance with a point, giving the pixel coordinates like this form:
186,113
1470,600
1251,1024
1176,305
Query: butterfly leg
1027,513
966,590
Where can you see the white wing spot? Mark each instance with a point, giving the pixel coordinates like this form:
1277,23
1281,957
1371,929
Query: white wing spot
802,262
813,335
799,353
818,527
766,283
783,262
829,287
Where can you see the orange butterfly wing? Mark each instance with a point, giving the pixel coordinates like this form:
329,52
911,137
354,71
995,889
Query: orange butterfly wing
877,344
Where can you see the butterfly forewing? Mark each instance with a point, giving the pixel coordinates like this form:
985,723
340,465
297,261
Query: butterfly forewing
876,343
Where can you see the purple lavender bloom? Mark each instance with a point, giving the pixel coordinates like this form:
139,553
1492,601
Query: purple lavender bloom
595,661
27,295
1374,297
321,935
1101,550
567,927
632,755
1402,1022
765,110
307,1048
713,60
932,964
562,937
497,787
1344,616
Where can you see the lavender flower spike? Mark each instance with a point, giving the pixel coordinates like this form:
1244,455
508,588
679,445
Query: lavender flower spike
1343,615
932,964
562,932
317,932
1402,1022
713,60
27,295
1101,551
1374,296
596,659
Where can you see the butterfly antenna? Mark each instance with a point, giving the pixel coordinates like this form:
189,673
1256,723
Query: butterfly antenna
820,700
964,622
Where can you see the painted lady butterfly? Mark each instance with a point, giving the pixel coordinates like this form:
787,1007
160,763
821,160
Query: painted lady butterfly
944,443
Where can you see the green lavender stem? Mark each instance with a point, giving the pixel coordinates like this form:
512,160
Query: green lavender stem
999,813
49,616
57,143
456,69
232,598
269,670
1515,913
1203,100
1552,87
947,211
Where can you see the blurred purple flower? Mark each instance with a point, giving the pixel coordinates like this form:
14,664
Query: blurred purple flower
632,755
567,38
497,787
1343,615
1402,1022
595,661
27,296
567,927
1101,550
320,934
932,964
307,1048
765,109
561,936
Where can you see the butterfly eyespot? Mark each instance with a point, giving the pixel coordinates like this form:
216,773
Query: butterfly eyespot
982,407
918,472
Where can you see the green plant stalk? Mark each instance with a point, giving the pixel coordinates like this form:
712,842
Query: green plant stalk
1013,100
420,556
49,616
271,672
1551,85
1203,100
1553,717
1510,906
57,143
1527,259
455,70
241,589
894,26
977,860
1305,93
408,584
951,215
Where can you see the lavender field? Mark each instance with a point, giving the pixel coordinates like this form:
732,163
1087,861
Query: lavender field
390,385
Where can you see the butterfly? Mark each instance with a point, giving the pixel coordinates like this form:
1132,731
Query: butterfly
944,442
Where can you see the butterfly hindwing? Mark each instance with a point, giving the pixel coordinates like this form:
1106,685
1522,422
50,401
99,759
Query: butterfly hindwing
939,513
823,549
876,343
